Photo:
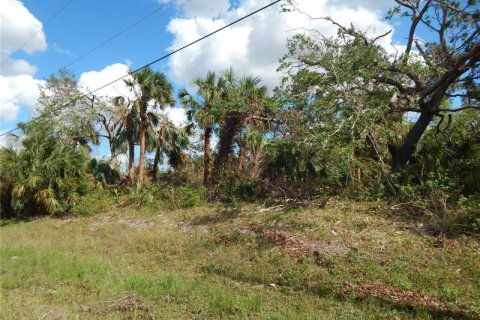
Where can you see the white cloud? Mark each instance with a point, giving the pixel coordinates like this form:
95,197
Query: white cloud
61,50
367,4
17,26
201,8
19,30
255,45
11,67
17,91
177,115
91,80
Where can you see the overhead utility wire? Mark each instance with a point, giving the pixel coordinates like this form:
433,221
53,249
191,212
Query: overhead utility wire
153,62
30,39
119,33
46,24
145,17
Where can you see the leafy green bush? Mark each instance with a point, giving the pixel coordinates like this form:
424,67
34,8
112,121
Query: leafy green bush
183,196
93,202
438,203
103,173
46,176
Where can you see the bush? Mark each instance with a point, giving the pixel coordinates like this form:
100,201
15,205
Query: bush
94,202
440,206
46,177
183,197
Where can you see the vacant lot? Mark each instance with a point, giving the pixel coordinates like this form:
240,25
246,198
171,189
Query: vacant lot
346,261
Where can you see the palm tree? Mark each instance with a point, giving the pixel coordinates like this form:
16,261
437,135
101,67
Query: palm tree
242,101
126,132
150,87
171,140
209,93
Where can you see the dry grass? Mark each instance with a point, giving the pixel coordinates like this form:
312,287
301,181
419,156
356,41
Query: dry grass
217,263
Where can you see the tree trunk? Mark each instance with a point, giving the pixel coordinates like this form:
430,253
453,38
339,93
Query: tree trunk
401,155
113,152
206,156
157,155
230,127
141,161
131,149
241,159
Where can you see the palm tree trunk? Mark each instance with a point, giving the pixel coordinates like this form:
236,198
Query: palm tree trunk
206,156
131,159
230,127
141,161
157,155
131,149
241,159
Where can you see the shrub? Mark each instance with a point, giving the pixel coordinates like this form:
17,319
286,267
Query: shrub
46,176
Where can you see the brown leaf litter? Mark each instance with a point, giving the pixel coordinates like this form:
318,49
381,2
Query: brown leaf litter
299,248
441,241
127,304
400,296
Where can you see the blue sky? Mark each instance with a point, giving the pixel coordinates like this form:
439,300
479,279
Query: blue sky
83,25
254,46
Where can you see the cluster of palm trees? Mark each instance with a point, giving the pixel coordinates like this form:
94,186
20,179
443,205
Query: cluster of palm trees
227,104
127,122
218,103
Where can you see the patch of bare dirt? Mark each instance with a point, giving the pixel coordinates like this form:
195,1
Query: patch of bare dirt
135,224
406,297
291,243
187,228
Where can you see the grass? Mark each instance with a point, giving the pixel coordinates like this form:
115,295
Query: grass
215,263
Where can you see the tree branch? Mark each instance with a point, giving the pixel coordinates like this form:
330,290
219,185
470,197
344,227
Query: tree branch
392,82
465,107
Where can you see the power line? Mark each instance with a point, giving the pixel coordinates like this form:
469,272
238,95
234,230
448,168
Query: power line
153,62
46,24
32,36
145,17
119,33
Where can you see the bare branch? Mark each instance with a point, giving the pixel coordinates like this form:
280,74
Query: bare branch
405,4
416,18
465,107
381,36
403,110
392,82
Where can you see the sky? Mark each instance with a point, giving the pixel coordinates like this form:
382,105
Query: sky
40,37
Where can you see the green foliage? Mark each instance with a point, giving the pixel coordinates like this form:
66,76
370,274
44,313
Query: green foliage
103,173
164,195
94,202
183,196
46,176
232,189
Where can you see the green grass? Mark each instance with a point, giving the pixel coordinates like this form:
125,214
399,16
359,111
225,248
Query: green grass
214,263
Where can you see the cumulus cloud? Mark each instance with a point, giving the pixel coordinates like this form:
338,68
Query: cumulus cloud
17,91
20,29
201,8
12,67
177,115
255,45
91,80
